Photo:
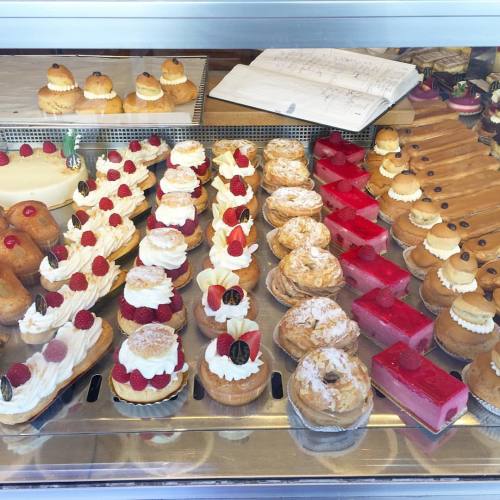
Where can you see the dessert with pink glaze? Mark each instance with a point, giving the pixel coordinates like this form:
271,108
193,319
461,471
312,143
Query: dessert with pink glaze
425,91
428,393
337,168
335,144
464,100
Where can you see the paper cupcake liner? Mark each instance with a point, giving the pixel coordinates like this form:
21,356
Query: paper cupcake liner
277,342
415,271
385,218
268,286
433,309
400,243
269,236
488,406
263,212
454,356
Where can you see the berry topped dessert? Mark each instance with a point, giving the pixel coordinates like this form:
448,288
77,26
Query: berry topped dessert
235,194
334,144
425,91
237,163
191,154
148,151
337,168
225,219
464,100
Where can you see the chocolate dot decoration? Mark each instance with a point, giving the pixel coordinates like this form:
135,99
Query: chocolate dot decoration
427,200
331,378
438,189
491,270
175,60
76,221
6,388
53,260
239,352
465,256
452,226
481,242
430,173
55,65
232,297
397,155
406,172
40,304
83,188
415,146
245,215
96,73
425,158
444,205
146,74
464,223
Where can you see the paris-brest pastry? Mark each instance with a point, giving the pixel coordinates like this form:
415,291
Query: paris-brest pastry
148,97
61,93
99,96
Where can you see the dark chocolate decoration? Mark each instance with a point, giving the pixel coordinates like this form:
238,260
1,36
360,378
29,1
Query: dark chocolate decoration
245,215
427,200
53,261
96,73
491,270
465,256
425,158
407,172
481,242
407,130
464,223
330,378
438,189
415,146
6,388
146,74
232,297
397,155
40,304
175,60
452,226
444,205
430,173
488,295
83,188
55,65
76,221
239,352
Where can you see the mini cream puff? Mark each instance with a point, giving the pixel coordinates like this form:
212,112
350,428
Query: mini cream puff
404,190
99,96
61,93
235,194
237,163
175,83
386,142
148,97
381,177
191,154
225,219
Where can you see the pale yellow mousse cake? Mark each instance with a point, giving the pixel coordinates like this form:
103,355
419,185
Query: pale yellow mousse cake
33,174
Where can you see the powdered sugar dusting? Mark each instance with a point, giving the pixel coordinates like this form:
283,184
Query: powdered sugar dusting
293,196
152,340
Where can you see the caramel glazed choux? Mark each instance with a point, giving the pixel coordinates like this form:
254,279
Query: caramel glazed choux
148,97
99,96
175,83
61,93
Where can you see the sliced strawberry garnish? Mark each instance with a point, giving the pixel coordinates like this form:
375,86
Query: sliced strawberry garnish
214,296
240,159
234,249
253,340
224,342
237,234
230,217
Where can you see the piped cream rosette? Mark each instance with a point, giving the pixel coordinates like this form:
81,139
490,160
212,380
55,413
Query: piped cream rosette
228,167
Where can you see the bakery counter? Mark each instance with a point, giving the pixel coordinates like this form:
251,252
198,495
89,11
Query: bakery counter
197,446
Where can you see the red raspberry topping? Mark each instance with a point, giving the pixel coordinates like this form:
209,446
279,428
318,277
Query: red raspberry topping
159,192
106,204
119,373
18,374
230,217
137,381
55,351
91,184
151,222
25,150
224,341
83,320
214,296
114,157
49,147
4,159
180,360
113,175
237,234
202,169
88,239
344,186
253,340
176,302
234,249
78,282
385,298
134,146
154,140
240,159
54,299
160,381
237,186
189,227
100,266
409,360
129,167
83,216
163,313
61,252
115,220
127,309
29,211
347,214
144,315
124,191
335,138
367,252
10,241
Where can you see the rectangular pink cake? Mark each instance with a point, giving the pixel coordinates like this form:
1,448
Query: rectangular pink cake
337,169
335,144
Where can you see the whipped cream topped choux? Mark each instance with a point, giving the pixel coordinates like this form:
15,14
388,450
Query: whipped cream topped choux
61,93
99,96
381,177
386,142
148,97
175,82
404,190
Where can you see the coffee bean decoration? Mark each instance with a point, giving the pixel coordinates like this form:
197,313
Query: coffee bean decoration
239,352
438,189
465,256
40,304
53,262
6,388
452,226
55,65
397,155
245,215
430,173
464,223
96,73
145,73
425,158
231,297
76,221
491,270
426,200
481,243
415,146
444,205
330,378
407,130
83,188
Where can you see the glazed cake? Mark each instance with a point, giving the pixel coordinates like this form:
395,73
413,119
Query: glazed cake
334,144
338,168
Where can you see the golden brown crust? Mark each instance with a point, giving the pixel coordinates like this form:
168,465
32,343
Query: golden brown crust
249,276
181,92
482,379
251,238
291,149
14,298
172,69
248,148
373,161
58,103
99,106
378,184
488,276
484,248
133,104
178,321
4,224
391,208
408,233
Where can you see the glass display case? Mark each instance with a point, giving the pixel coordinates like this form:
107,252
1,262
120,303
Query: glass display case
84,436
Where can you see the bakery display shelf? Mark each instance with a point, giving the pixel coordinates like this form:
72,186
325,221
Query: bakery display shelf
87,435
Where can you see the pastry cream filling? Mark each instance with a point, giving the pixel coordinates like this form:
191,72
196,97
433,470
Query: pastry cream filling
386,173
175,81
226,311
487,327
155,97
382,152
466,287
91,96
440,253
220,257
495,368
147,286
156,249
179,180
437,220
228,167
405,197
188,154
61,88
175,216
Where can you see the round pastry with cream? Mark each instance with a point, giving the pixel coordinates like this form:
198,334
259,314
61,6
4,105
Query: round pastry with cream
291,149
225,219
149,365
466,328
149,151
386,142
149,297
411,228
223,299
233,369
148,97
61,93
404,190
175,83
235,194
248,148
99,96
488,276
381,177
237,163
283,172
191,154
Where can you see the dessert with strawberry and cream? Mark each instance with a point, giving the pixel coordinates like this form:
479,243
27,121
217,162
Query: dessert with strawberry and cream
225,219
128,202
237,163
236,193
191,154
148,151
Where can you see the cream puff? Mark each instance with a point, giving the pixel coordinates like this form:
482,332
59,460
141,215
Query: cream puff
61,93
191,154
225,219
404,190
386,142
175,83
148,97
14,298
291,149
283,172
381,177
223,299
248,148
235,194
99,96
237,163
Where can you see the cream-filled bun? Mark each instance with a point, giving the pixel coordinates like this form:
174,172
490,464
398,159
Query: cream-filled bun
405,184
386,141
148,87
175,82
172,69
473,308
148,97
99,96
61,94
60,78
443,237
424,213
98,84
460,268
395,163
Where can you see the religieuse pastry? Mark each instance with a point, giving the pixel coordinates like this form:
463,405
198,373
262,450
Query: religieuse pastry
386,142
175,83
223,299
99,96
14,298
149,151
248,148
149,297
291,149
237,163
233,370
191,154
404,190
297,232
236,194
225,219
313,323
149,365
61,93
331,388
381,178
305,272
288,202
148,97
488,276
283,172
466,328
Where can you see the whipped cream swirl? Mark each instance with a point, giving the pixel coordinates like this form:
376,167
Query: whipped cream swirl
179,180
429,225
382,152
160,248
175,81
148,286
226,311
175,216
154,97
219,257
61,88
95,97
226,198
485,328
187,154
404,197
440,253
228,167
147,153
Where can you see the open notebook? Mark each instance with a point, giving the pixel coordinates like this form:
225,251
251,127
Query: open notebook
330,86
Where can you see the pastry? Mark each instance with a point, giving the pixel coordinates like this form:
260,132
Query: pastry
331,388
233,252
333,144
32,386
149,151
381,178
248,148
291,149
283,172
342,194
365,270
411,228
191,154
443,284
484,248
430,146
116,167
176,210
21,254
415,134
61,93
314,323
297,232
440,243
149,297
349,230
183,180
288,202
386,141
223,299
148,97
425,92
495,146
337,168
386,320
166,248
233,369
464,100
404,190
305,272
34,218
488,276
149,365
4,224
434,116
14,298
231,164
453,64
235,194
225,219
427,59
466,328
50,311
175,82
99,96
426,392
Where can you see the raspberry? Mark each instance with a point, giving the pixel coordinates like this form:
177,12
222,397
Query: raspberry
154,140
151,222
346,214
237,186
144,315
385,298
115,220
10,241
189,227
176,302
335,138
116,355
114,157
78,282
18,374
234,249
160,381
367,252
214,296
91,184
344,186
25,150
100,266
88,239
119,373
230,217
129,167
170,164
159,192
137,381
134,146
61,252
240,159
83,216
237,234
409,360
202,169
55,351
138,261
127,310
49,147
163,313
124,191
180,360
4,159
83,320
113,175
196,193
224,342
106,204
29,211
54,299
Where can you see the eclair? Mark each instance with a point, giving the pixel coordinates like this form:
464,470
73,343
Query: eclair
148,97
99,96
415,134
14,298
484,248
175,83
61,93
381,177
488,276
404,190
432,145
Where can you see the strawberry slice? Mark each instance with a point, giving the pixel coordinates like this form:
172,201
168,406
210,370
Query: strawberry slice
234,249
230,217
237,234
253,340
240,159
214,296
224,342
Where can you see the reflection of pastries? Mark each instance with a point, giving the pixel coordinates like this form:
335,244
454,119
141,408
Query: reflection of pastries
488,276
175,83
14,298
290,149
483,376
404,190
99,96
283,172
61,93
148,97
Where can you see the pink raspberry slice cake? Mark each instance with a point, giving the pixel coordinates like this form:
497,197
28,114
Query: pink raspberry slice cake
365,270
430,395
387,320
335,144
337,168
